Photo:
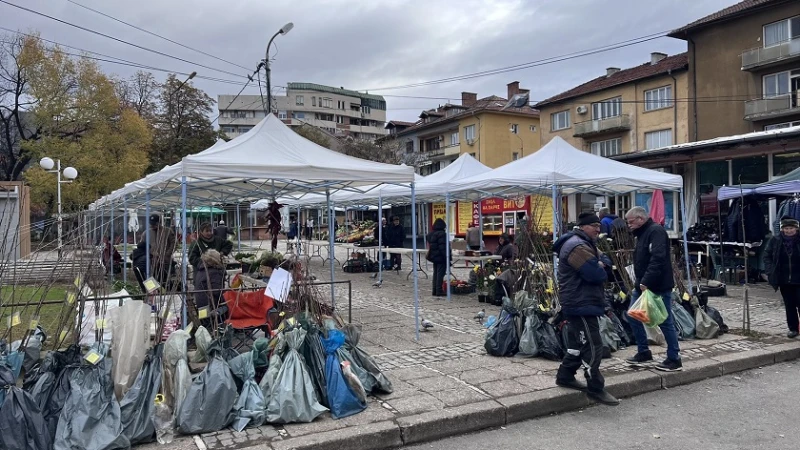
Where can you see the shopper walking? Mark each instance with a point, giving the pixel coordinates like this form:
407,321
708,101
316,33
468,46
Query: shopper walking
581,274
437,254
652,266
782,265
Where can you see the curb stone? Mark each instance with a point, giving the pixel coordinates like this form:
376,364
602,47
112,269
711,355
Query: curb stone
491,413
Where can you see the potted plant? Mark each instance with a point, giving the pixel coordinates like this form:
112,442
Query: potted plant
246,260
484,282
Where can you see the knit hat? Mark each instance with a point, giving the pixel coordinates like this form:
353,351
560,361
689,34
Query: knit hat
787,221
587,218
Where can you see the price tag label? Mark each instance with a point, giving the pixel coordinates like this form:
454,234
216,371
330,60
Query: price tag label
78,281
62,336
686,296
14,320
93,357
71,298
622,295
202,313
101,323
33,323
151,285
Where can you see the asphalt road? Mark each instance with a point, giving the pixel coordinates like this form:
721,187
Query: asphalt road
758,409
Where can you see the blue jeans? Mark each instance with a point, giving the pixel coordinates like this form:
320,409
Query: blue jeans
667,327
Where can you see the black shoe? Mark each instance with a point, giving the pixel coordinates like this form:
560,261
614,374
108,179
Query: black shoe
640,358
792,334
603,397
670,366
572,384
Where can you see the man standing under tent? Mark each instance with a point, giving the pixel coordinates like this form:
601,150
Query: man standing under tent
581,275
473,237
652,266
394,235
205,241
309,230
222,231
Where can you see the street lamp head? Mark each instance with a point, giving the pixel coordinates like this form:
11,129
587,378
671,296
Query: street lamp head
287,28
191,75
47,163
70,173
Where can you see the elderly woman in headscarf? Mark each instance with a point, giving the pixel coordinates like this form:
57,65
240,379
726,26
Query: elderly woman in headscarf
782,265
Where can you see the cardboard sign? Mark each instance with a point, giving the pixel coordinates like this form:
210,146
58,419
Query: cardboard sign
279,284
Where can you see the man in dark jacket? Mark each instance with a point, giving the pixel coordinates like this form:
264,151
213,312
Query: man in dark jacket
581,274
205,241
437,254
394,237
222,231
782,265
606,218
506,248
652,266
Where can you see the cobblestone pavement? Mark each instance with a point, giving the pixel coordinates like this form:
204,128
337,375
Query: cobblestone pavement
448,366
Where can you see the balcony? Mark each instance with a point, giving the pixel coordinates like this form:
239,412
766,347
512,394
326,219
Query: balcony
451,150
761,57
609,125
773,107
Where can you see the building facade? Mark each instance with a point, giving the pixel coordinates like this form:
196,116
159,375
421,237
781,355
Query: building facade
340,112
624,110
494,130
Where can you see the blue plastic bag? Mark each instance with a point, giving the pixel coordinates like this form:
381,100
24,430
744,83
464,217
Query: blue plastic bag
343,401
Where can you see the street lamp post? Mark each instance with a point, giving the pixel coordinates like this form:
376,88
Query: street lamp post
70,173
285,29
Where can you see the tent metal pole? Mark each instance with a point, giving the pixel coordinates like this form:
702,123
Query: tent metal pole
447,245
423,211
125,239
184,251
414,257
147,233
238,234
685,243
556,213
480,223
331,245
380,238
111,243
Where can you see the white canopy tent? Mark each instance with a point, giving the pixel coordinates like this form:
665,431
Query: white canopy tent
270,161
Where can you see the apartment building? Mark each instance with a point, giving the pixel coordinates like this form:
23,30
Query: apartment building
493,129
339,111
623,110
744,68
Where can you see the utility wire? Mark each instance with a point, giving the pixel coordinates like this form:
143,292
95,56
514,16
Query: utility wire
89,30
249,80
541,62
155,34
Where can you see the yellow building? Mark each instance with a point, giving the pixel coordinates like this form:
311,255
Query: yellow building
623,111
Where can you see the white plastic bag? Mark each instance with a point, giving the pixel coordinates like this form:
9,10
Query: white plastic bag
175,355
129,344
655,336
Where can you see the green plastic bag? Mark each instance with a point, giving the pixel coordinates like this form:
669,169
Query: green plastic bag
649,309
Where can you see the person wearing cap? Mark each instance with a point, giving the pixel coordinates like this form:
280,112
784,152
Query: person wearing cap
222,231
652,267
782,265
393,237
506,248
473,237
581,275
162,246
205,241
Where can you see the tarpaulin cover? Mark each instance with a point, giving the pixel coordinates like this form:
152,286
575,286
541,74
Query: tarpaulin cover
546,339
502,339
250,407
130,341
260,352
91,417
208,405
138,405
380,382
53,387
683,321
314,356
33,349
22,425
268,380
608,333
177,377
344,354
343,401
13,360
292,398
528,346
202,339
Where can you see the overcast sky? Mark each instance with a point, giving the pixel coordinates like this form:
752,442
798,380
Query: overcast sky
369,44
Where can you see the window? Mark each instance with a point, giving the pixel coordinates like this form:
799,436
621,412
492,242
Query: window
238,114
607,108
326,117
299,100
314,101
559,120
515,128
658,98
326,102
532,128
229,130
776,84
515,156
657,139
607,148
454,138
469,133
339,119
778,126
409,146
245,129
282,115
779,32
783,163
493,222
366,109
298,115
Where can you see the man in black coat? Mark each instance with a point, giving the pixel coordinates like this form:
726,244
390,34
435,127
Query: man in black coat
394,237
222,231
437,254
652,266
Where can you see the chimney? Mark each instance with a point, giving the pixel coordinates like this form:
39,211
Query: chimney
513,89
611,71
655,57
468,98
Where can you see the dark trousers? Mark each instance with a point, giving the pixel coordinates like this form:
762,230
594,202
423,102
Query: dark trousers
439,270
397,260
791,299
667,328
584,349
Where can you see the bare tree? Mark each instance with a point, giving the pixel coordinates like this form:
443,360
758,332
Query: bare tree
140,93
14,125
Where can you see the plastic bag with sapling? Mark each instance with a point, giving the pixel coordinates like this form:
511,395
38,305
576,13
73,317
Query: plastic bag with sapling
250,407
129,345
208,405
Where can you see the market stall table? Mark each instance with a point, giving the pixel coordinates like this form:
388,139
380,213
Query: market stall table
410,254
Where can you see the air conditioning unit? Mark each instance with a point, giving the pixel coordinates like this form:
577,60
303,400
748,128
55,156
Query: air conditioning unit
582,109
470,141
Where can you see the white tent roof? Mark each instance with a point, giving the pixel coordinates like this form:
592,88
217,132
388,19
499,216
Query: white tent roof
560,164
270,160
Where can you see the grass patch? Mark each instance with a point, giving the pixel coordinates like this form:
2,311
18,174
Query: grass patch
30,295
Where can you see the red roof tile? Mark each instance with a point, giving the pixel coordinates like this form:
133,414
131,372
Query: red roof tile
723,14
646,70
400,123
